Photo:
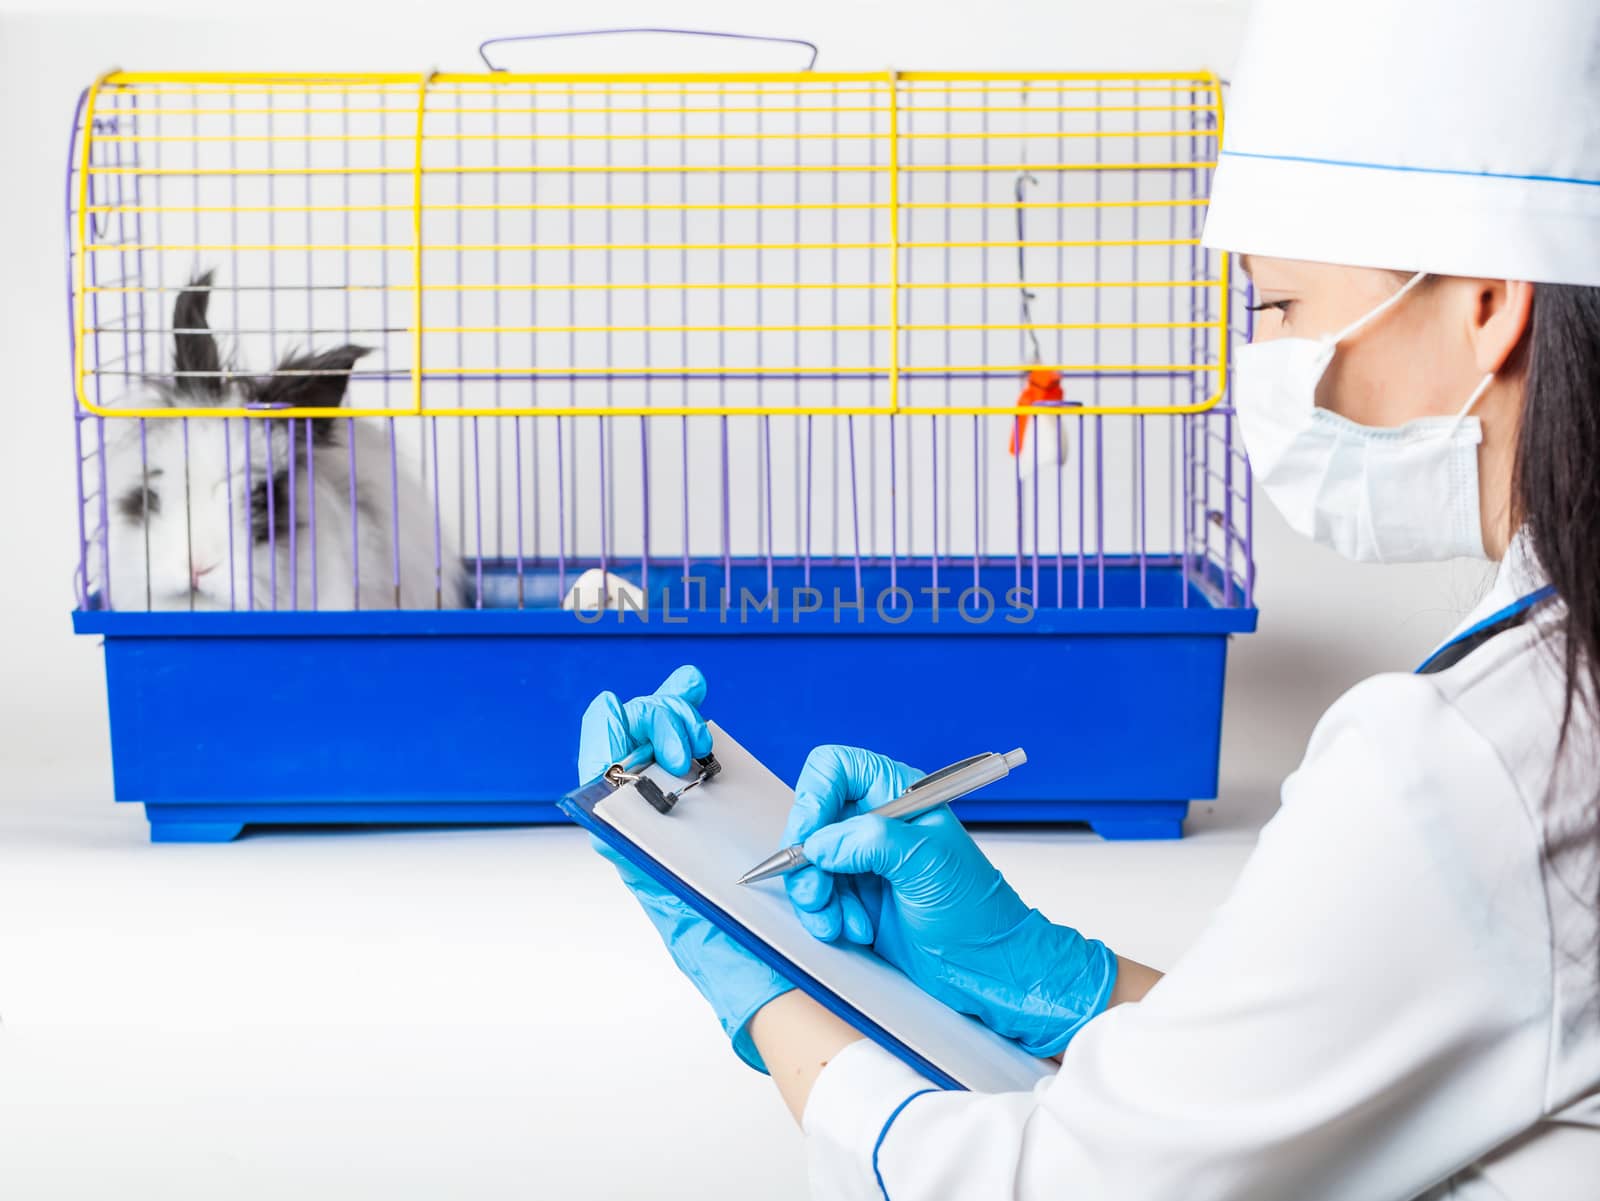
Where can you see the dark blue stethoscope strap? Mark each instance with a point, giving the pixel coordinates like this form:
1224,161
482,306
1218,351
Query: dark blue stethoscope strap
1469,640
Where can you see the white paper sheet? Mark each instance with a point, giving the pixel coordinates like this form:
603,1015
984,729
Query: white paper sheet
727,825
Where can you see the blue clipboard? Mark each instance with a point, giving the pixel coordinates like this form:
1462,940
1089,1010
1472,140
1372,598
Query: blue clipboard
579,806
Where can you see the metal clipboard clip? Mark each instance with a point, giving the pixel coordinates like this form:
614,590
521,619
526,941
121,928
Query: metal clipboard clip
629,772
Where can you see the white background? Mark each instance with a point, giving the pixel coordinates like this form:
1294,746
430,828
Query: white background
474,1014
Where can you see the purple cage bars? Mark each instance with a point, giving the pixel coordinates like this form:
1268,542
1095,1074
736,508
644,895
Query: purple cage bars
774,321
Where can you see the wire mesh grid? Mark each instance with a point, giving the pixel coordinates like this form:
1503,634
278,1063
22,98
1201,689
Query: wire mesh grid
680,328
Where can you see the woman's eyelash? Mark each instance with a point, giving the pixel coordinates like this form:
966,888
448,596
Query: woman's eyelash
1281,305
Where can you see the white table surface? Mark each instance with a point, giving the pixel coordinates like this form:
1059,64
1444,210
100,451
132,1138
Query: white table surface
412,1014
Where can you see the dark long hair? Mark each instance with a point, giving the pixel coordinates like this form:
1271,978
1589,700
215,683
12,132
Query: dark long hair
1555,489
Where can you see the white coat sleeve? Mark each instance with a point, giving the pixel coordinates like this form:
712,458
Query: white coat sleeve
1367,1013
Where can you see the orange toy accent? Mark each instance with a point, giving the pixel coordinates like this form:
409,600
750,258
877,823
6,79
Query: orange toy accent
1043,385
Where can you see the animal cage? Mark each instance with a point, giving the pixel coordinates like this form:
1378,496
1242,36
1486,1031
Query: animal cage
896,401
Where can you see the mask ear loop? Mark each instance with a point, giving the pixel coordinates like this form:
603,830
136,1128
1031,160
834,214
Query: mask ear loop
1477,394
1374,314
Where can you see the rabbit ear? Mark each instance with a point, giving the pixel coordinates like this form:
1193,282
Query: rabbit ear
192,351
310,380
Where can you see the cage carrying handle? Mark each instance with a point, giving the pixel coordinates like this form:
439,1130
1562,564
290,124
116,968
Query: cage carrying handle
483,47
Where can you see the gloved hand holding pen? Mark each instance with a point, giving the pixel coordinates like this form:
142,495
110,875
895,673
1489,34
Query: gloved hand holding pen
927,899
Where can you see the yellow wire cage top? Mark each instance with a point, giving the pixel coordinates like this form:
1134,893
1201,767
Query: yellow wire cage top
659,244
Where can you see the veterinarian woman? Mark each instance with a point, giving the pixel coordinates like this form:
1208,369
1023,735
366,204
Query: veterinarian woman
1401,996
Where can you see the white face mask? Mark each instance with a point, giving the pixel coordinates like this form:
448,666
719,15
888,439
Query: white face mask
1402,495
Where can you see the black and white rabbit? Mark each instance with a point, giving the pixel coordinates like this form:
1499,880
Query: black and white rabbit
194,527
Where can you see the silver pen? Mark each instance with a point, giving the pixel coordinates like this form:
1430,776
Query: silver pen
947,784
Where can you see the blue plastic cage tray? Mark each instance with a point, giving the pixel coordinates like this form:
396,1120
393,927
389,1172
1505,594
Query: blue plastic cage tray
225,720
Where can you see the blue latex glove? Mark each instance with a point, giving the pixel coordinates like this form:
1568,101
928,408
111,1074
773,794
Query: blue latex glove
735,982
838,782
931,903
668,721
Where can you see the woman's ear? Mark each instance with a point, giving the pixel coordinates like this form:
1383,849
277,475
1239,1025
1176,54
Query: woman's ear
1500,318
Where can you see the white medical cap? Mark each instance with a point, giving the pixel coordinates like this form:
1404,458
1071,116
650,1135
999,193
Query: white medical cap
1459,137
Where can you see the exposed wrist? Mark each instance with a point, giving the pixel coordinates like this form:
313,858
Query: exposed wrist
797,1038
739,1033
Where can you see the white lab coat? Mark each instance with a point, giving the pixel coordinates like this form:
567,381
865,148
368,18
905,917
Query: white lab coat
1400,998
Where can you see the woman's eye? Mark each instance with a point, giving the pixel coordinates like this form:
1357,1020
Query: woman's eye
1282,306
